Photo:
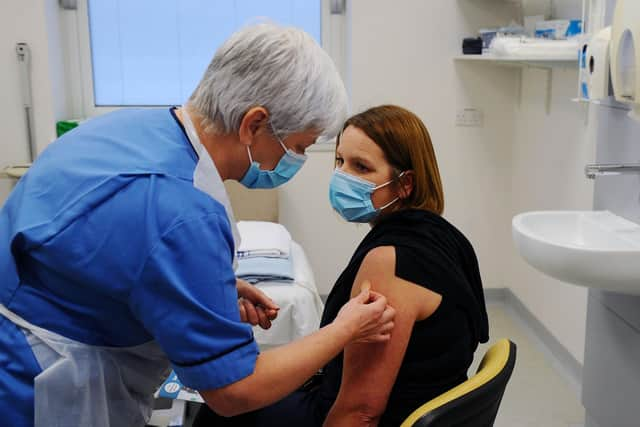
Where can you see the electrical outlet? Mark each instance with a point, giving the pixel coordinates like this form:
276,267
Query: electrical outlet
470,117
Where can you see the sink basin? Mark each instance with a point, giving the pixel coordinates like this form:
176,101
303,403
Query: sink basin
588,248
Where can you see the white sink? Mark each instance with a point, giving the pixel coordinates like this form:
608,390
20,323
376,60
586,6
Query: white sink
588,248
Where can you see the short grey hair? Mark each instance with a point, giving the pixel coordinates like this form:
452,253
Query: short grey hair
282,69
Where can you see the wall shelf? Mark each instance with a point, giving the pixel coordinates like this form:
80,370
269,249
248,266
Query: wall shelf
544,63
607,103
547,65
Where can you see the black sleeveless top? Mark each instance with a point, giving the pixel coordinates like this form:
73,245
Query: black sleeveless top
432,253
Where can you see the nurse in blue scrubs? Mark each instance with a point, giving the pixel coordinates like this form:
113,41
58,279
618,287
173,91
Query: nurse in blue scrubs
117,248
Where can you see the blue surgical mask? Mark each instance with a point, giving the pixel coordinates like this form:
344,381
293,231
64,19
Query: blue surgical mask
350,196
286,168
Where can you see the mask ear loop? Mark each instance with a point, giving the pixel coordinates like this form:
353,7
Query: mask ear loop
273,131
275,135
381,208
384,185
400,181
250,157
388,182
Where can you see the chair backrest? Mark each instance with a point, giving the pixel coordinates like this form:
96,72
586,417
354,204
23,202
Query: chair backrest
475,402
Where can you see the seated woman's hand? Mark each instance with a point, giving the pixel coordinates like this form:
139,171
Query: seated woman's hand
368,315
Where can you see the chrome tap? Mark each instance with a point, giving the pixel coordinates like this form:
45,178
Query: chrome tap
591,171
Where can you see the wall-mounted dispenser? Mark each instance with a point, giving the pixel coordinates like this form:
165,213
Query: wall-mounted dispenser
584,72
625,54
597,66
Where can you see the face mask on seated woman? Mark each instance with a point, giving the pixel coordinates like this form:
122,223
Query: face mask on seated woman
350,196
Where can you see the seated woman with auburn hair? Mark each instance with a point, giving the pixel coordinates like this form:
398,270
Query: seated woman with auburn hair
387,175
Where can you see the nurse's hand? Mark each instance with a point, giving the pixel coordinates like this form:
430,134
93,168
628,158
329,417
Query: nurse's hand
255,307
368,315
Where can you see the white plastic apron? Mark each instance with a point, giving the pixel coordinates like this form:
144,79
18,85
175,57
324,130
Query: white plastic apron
207,178
83,385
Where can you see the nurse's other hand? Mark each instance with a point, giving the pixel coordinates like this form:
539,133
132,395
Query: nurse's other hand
255,307
369,317
254,315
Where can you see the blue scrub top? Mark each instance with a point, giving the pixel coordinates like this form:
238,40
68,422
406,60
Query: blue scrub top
106,241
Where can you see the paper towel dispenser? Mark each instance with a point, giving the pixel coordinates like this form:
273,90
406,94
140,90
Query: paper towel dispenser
626,67
597,66
625,54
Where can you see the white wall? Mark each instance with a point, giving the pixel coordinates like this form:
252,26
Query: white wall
402,53
36,23
549,155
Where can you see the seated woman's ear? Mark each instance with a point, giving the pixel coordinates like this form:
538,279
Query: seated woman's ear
405,185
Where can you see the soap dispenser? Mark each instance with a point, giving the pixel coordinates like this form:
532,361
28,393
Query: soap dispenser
597,66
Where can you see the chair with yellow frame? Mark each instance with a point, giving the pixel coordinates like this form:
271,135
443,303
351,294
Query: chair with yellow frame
475,402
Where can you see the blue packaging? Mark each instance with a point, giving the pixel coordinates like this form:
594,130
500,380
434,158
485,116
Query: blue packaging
559,29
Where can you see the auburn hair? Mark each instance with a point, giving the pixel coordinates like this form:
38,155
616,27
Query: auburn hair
407,146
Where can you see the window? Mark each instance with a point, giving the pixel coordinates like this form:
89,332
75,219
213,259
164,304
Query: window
154,52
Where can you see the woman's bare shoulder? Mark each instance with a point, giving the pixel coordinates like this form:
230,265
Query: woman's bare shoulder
379,269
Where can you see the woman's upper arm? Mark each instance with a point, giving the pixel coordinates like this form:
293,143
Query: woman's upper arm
370,370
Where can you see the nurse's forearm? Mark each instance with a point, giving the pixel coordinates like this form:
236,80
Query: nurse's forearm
280,371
